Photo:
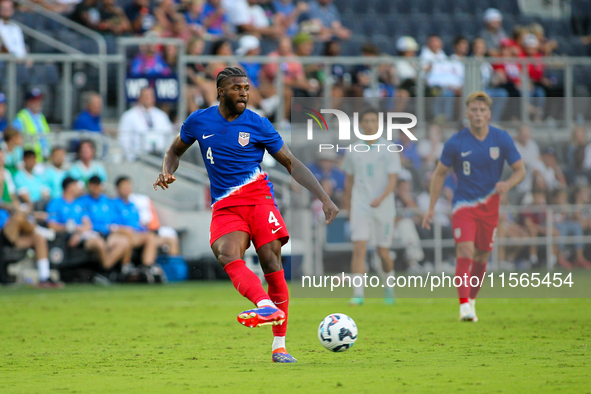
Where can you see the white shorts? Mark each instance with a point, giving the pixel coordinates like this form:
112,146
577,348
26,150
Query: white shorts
376,231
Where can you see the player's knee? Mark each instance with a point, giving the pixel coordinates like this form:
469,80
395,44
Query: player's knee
465,249
270,260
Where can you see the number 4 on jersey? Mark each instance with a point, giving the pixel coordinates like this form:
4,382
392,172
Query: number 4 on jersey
273,219
209,155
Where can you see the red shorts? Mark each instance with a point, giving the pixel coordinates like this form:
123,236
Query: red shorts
477,224
263,223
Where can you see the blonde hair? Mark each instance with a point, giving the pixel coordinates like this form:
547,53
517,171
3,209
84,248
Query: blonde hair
479,96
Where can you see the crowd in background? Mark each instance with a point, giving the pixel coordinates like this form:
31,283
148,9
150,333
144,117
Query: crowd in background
555,176
44,193
299,29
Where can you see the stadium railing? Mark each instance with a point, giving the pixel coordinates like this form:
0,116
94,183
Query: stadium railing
472,78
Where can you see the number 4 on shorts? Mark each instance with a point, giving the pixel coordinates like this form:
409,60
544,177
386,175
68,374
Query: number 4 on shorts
273,219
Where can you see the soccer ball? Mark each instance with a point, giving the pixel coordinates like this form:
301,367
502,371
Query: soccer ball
337,332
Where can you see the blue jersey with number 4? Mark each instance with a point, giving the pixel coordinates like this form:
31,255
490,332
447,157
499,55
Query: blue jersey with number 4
478,164
232,152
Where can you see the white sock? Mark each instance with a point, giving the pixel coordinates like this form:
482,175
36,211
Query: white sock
43,268
358,291
389,274
278,342
266,302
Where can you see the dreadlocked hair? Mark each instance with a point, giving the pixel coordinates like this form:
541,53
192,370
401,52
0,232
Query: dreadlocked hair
226,73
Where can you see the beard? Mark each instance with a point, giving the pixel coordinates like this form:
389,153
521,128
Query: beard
233,105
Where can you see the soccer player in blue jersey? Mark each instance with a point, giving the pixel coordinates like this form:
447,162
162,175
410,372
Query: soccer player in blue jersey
233,140
477,155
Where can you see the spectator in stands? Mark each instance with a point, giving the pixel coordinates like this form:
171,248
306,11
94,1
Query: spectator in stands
149,62
530,154
103,215
141,16
29,183
7,187
201,91
325,169
293,74
405,225
407,71
129,223
165,13
508,71
55,171
259,23
13,150
325,20
262,94
508,227
31,123
547,46
113,19
446,79
288,14
338,72
12,39
3,123
536,76
237,15
168,238
429,149
491,80
66,214
221,47
534,221
549,170
144,128
493,32
88,14
566,223
90,118
86,167
18,232
214,19
582,196
192,17
410,155
578,158
432,52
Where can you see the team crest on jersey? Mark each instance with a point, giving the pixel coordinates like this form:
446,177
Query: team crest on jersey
494,152
243,138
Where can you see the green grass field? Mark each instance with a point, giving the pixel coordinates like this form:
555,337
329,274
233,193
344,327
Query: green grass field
185,338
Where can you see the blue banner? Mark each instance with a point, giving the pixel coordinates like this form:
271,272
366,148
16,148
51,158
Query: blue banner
166,88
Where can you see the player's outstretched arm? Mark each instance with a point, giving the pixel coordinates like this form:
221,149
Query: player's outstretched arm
515,178
434,191
304,177
172,157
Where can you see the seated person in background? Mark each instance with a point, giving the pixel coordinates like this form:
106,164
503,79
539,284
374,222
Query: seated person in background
582,196
567,224
167,236
325,169
534,221
13,150
102,214
113,18
90,118
324,18
54,172
85,167
7,188
29,183
128,220
66,214
17,231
